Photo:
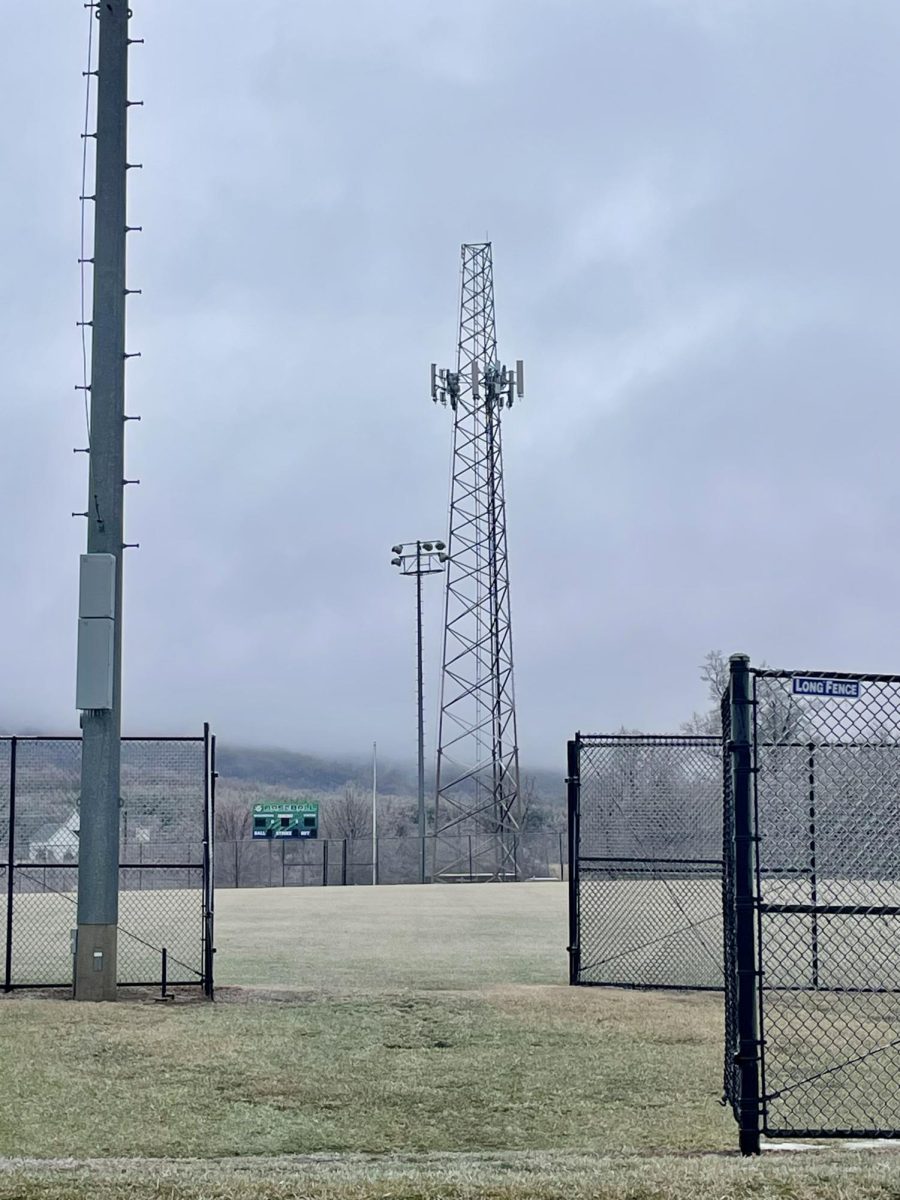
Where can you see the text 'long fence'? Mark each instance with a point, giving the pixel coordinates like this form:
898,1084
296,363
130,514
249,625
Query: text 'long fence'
645,837
165,875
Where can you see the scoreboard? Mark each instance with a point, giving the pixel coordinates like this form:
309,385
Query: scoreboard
286,820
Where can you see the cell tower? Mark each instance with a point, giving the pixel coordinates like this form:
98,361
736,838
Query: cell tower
477,812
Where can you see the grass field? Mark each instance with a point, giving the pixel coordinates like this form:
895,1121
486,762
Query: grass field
391,1042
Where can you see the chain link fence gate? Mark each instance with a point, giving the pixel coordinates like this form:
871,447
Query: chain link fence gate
645,869
812,904
166,860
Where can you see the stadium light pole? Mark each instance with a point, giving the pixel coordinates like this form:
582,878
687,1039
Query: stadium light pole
418,559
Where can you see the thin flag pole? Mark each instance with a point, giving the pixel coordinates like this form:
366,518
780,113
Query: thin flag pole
374,813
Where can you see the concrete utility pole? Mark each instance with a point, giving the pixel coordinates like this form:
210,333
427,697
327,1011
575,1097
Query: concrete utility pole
98,872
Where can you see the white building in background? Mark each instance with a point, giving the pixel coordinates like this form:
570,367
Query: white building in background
56,843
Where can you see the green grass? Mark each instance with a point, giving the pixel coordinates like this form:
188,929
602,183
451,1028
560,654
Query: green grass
832,1176
547,1069
364,939
404,1042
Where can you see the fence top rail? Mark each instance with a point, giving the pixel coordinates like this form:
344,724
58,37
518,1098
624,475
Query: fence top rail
681,739
769,673
28,865
76,737
823,743
649,860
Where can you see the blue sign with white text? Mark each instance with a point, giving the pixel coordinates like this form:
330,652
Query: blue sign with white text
836,689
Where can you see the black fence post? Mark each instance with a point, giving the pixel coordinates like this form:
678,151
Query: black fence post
325,863
573,789
741,755
344,863
209,827
10,869
282,862
562,861
813,876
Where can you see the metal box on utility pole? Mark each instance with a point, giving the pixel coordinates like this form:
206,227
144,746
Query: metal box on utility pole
96,632
97,586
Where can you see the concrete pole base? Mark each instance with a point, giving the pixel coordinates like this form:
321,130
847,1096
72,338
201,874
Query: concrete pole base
95,962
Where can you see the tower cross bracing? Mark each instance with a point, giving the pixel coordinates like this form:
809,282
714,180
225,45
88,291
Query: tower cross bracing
478,799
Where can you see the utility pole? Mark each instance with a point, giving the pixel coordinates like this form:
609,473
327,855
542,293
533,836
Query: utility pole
428,558
100,612
477,782
374,813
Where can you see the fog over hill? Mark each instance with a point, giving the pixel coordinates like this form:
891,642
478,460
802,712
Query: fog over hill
287,768
276,767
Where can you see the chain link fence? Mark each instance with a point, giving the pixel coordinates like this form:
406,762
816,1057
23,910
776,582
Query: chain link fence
812,1025
165,874
336,862
645,827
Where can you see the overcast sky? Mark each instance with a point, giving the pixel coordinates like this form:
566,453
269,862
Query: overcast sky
695,211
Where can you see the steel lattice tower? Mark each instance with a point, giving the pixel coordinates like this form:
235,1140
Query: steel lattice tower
477,785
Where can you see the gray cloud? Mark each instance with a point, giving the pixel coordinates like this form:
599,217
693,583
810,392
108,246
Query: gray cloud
693,210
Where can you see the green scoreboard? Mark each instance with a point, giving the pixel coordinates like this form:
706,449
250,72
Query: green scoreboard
286,820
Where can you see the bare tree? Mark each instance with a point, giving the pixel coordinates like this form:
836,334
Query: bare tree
348,815
396,818
714,673
233,817
233,822
530,817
